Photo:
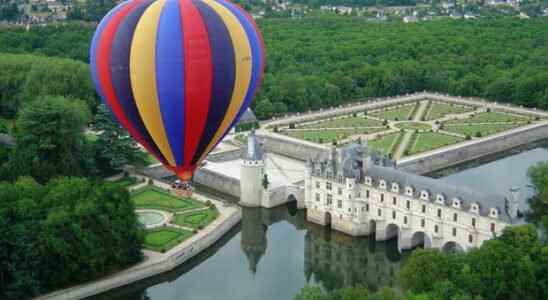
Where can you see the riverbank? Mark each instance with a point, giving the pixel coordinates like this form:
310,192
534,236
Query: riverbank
155,263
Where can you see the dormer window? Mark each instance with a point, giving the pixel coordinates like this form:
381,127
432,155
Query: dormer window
395,188
368,180
474,208
409,191
440,199
382,184
493,213
456,203
425,195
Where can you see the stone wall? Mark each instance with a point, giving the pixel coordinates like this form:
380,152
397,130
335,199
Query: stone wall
224,155
437,160
217,181
290,147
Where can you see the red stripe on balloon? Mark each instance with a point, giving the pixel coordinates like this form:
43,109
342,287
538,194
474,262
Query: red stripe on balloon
198,78
105,76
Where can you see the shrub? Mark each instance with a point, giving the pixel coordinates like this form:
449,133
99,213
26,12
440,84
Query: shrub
208,203
385,122
478,134
334,142
150,181
468,137
292,126
276,128
200,227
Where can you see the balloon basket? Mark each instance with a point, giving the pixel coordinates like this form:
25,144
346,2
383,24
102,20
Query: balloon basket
183,189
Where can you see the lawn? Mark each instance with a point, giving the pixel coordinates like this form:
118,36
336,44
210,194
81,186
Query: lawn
155,198
196,219
491,117
439,110
345,122
384,144
165,238
327,136
483,130
431,140
126,181
413,126
397,113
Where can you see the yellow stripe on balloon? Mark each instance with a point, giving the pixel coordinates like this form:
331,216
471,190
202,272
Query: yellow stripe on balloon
143,77
243,64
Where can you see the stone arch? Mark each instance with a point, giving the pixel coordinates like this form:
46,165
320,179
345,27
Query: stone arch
327,218
372,227
392,230
452,246
421,239
292,205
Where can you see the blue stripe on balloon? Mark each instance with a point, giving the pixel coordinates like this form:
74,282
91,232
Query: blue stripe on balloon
119,68
170,77
256,55
93,48
224,72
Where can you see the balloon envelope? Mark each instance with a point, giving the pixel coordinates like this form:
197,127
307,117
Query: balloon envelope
177,74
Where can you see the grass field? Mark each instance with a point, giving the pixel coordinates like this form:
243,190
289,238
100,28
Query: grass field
491,117
441,109
413,126
427,141
126,181
401,113
196,219
154,198
165,238
484,129
345,122
327,136
384,144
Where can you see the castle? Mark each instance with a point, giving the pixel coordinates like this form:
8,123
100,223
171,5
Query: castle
356,191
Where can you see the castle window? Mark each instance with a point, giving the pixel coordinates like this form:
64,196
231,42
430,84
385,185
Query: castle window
474,208
379,212
394,214
454,231
474,222
424,195
493,212
395,187
440,199
317,197
366,193
456,203
394,201
436,228
329,199
328,185
368,180
363,208
423,209
339,203
349,196
455,217
470,239
439,213
340,179
493,227
350,210
408,204
382,197
367,207
339,191
405,220
382,184
409,191
317,184
422,223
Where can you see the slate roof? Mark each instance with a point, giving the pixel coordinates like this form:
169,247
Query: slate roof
253,150
248,117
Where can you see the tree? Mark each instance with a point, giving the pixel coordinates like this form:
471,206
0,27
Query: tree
49,138
114,145
424,268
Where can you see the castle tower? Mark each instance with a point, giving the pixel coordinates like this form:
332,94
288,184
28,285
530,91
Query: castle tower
252,173
253,241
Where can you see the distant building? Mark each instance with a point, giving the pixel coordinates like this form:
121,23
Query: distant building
355,191
248,121
410,19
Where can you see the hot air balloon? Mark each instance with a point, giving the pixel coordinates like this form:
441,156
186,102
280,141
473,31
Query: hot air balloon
177,74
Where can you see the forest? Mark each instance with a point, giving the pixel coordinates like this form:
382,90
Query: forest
326,61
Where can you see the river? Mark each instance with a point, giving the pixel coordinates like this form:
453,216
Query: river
273,253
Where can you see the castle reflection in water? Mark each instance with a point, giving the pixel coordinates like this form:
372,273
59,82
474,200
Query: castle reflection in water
331,259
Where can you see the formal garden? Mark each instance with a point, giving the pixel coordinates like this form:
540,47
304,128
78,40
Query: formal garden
407,129
168,219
